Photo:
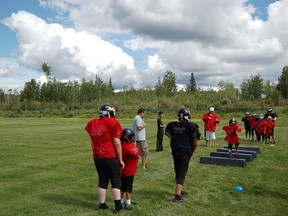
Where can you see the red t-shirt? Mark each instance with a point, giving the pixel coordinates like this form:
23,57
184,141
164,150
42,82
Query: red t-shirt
210,121
252,123
130,155
231,135
102,131
270,126
262,125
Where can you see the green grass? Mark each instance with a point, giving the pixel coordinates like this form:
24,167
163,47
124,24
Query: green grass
46,168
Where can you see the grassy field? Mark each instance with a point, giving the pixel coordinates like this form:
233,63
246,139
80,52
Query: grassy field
46,168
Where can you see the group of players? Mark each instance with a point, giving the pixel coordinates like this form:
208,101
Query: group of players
260,128
116,155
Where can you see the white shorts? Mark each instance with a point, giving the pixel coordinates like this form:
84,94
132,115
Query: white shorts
210,135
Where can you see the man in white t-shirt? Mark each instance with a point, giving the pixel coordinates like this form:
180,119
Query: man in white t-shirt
140,135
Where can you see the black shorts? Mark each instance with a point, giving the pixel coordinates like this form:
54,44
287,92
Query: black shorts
127,184
108,169
181,159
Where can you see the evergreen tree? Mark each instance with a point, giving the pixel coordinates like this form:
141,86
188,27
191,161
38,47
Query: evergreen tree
2,96
47,71
283,82
192,87
110,85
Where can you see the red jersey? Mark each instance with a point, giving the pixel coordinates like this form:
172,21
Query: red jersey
262,125
210,121
252,123
102,131
130,155
231,133
270,126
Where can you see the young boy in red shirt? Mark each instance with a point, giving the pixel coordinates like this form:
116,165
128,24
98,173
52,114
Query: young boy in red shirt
269,130
232,135
130,156
261,129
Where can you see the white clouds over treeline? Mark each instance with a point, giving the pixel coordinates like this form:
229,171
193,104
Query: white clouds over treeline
217,40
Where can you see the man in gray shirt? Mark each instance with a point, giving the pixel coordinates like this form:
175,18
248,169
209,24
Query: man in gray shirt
140,135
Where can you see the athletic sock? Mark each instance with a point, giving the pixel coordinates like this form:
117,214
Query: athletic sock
128,202
118,205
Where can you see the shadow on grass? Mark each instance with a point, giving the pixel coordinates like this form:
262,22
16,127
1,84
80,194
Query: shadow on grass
73,199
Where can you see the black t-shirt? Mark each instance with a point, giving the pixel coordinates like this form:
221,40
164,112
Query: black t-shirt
182,134
273,115
246,121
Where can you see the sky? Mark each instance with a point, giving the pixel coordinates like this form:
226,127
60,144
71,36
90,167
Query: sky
134,42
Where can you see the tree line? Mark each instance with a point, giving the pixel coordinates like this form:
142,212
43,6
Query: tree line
85,95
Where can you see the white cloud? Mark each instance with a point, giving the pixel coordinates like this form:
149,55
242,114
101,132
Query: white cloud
216,40
69,53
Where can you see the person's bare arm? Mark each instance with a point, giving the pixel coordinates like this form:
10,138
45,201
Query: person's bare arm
195,144
118,147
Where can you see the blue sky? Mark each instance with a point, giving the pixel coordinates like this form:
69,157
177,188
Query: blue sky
136,44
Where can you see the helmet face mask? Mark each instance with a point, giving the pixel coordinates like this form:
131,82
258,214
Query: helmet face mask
184,114
128,135
107,110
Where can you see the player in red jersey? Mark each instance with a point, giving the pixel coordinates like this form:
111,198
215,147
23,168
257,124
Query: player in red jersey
261,129
105,133
270,130
232,135
130,155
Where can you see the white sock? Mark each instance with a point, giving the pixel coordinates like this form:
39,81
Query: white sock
128,202
122,201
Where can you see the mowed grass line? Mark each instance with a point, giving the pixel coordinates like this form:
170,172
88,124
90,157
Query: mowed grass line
46,168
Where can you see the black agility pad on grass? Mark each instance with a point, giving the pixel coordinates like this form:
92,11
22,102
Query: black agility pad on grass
223,161
253,153
247,157
248,148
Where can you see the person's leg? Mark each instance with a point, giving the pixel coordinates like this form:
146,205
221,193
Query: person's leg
143,162
236,145
145,153
230,150
113,170
102,195
179,189
161,141
182,159
102,182
252,135
158,141
117,198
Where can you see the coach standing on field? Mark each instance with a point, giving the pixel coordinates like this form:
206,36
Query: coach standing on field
105,133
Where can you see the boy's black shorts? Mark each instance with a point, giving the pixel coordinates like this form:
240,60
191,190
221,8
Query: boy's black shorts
127,184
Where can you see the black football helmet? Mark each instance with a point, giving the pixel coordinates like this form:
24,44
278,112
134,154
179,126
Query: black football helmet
107,110
184,113
232,121
127,135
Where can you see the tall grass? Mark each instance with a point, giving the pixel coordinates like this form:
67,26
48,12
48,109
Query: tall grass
46,168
